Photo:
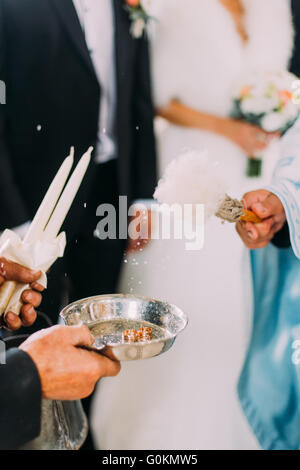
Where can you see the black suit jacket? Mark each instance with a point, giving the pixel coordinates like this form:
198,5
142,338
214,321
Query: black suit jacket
53,99
295,61
20,398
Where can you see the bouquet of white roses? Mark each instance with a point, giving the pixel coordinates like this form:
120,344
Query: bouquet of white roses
267,100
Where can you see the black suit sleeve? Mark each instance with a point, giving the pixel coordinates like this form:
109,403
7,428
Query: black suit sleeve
282,238
145,152
12,207
20,400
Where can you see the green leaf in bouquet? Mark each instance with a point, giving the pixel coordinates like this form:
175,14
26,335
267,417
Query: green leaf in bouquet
236,112
271,90
136,13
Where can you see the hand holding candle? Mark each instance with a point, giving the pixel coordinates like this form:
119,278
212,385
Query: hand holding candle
42,245
31,298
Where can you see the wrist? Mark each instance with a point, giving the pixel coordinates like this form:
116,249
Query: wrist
29,351
224,127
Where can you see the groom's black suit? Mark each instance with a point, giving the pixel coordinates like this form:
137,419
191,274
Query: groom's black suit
53,99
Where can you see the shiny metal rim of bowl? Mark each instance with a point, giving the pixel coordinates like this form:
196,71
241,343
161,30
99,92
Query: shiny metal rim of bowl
67,311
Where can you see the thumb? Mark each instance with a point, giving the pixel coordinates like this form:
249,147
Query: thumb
79,335
270,207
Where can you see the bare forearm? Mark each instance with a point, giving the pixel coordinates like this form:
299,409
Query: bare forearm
181,115
248,137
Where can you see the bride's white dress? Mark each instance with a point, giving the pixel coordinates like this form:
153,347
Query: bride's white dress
186,399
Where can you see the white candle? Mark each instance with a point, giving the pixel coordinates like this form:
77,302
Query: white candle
47,206
67,197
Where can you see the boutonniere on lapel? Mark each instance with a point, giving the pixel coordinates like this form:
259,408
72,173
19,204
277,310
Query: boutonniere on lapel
138,14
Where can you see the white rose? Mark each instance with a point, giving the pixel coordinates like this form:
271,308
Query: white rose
284,80
259,105
296,92
137,28
290,112
273,122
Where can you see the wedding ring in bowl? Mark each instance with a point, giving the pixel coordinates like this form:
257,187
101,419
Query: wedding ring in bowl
109,316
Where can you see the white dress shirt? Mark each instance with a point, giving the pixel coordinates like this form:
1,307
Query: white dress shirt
96,18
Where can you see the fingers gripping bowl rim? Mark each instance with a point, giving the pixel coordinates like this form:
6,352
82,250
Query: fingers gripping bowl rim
107,316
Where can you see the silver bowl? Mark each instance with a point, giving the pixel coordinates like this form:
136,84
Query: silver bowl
107,316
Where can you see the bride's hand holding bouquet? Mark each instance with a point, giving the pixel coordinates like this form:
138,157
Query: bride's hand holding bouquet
264,107
249,137
266,100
